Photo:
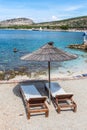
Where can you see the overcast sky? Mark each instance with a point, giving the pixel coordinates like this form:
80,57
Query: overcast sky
42,10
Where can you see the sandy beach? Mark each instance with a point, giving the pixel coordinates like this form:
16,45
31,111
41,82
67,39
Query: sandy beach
13,114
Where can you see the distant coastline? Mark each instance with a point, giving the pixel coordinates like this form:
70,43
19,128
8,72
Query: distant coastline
76,23
59,30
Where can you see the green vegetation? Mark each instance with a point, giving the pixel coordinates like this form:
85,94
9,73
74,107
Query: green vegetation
64,27
19,27
73,23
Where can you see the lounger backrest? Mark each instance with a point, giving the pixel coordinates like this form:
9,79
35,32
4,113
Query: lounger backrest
55,89
30,91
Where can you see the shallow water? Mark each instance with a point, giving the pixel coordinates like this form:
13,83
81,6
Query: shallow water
26,41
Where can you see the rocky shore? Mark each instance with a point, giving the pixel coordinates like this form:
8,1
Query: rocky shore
9,74
78,46
21,71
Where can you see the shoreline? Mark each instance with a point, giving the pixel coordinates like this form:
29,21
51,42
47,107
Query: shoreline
54,77
54,30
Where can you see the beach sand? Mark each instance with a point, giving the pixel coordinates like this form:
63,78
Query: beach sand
13,114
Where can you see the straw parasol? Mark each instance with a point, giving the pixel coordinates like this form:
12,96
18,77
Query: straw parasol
48,53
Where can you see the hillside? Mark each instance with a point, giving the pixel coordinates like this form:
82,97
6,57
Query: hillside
78,23
25,23
16,21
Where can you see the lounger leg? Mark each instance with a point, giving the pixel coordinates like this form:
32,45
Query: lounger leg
58,109
75,108
28,115
28,110
74,104
47,114
47,110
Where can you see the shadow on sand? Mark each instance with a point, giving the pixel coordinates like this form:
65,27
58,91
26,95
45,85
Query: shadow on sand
39,84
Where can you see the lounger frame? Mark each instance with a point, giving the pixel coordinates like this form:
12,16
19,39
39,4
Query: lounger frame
63,101
35,105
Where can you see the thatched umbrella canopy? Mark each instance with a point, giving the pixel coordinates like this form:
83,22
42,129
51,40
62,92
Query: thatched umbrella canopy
48,53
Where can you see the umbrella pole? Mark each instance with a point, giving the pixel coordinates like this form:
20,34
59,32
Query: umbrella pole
49,82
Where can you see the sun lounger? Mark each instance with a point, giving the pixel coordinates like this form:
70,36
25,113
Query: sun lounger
34,102
60,98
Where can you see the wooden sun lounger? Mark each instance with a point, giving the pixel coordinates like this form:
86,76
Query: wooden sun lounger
61,99
34,102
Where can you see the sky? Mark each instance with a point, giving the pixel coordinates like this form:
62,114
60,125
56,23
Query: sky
42,10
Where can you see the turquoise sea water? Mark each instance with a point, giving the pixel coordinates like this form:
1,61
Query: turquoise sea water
26,41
